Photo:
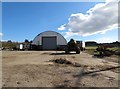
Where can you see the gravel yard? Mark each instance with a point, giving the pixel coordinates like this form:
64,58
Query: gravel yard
34,69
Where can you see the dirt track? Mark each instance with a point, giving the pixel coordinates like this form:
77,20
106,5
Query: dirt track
34,69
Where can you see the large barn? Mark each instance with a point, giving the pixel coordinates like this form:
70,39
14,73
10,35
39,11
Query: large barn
49,40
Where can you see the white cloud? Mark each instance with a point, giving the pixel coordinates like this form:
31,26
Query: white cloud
99,19
1,34
69,34
105,39
62,27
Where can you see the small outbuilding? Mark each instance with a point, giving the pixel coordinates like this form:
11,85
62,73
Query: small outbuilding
90,43
49,40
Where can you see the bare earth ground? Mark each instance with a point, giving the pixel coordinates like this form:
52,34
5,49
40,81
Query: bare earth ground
34,69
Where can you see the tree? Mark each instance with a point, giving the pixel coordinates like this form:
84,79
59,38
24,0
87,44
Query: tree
26,41
9,41
31,41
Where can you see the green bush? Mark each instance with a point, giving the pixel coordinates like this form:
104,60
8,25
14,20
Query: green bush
9,45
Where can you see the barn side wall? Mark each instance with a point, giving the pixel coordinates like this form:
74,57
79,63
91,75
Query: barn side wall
39,47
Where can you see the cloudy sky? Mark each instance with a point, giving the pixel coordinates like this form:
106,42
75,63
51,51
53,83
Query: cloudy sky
87,21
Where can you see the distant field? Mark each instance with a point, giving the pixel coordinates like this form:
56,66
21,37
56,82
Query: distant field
94,47
91,50
115,48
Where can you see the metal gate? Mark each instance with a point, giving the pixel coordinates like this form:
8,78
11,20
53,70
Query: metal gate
49,43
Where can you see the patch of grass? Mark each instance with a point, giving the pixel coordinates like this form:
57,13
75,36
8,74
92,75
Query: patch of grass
9,44
90,50
114,48
91,47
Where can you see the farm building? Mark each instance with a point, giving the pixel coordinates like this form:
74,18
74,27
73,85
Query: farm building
23,46
49,40
90,43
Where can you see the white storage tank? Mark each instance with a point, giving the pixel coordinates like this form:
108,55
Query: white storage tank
49,40
21,46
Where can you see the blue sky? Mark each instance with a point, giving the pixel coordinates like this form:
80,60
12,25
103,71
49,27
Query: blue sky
24,20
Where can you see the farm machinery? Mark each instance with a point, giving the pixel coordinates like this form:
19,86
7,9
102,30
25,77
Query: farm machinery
103,51
72,46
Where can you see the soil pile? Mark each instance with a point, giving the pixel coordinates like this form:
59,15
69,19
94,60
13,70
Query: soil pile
65,61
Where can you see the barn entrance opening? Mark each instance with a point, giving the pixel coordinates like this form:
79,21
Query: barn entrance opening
49,43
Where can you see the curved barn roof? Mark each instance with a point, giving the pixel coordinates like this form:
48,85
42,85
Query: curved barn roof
60,39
